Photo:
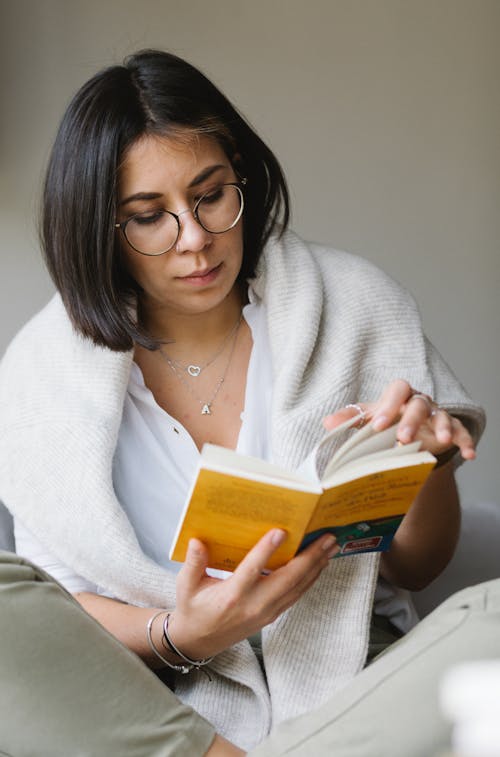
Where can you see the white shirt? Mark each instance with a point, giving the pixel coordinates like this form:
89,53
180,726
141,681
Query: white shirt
156,459
155,462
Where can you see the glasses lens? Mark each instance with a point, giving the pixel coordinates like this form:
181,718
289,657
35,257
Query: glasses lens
152,233
221,209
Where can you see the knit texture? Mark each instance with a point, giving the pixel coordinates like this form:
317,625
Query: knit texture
340,330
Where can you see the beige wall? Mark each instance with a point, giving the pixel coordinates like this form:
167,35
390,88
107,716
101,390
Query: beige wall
384,113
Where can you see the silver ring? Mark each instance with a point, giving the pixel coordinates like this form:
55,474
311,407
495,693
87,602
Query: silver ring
431,406
360,412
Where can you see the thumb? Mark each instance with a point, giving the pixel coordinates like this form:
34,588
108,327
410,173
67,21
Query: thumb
194,566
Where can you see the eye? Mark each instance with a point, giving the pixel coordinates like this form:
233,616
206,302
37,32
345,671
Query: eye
147,219
213,196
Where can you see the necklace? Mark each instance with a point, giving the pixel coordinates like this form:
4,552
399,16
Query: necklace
206,405
194,369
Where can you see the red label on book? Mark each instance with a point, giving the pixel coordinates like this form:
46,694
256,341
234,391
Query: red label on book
371,542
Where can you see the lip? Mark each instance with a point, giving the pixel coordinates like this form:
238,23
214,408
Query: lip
203,276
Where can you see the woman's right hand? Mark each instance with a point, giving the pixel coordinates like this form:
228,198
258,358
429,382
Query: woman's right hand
213,614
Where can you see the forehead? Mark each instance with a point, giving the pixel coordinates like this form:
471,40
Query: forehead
173,159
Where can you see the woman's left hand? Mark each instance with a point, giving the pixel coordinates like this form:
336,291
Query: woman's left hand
420,418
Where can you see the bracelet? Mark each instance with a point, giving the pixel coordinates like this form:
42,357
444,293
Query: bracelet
178,668
198,664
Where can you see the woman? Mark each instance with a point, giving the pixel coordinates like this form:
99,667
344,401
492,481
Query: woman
187,312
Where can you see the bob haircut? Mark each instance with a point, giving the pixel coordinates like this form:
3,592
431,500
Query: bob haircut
153,93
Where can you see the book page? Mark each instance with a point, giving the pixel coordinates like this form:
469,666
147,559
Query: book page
368,442
379,494
361,442
308,469
230,514
395,457
229,461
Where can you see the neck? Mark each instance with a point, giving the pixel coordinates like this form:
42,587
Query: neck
182,332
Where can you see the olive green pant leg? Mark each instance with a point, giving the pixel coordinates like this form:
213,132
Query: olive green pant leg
391,708
69,689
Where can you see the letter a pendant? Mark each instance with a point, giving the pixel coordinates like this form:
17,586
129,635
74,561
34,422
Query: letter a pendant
205,410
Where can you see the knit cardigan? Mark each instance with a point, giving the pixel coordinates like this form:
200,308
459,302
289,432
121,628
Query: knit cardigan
339,330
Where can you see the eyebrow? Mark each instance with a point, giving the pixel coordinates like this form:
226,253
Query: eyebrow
199,179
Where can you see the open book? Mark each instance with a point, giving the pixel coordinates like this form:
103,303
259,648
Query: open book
367,486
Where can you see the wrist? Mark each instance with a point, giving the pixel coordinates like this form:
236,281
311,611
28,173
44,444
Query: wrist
160,655
180,641
169,643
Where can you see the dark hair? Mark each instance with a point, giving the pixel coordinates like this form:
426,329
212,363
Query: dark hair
154,92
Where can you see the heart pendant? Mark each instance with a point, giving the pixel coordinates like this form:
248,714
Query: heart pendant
194,370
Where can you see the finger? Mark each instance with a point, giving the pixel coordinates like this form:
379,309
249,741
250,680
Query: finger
306,565
345,414
325,544
277,591
291,581
193,569
463,440
443,427
396,394
250,569
415,414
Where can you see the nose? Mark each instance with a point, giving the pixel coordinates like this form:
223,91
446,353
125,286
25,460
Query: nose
192,236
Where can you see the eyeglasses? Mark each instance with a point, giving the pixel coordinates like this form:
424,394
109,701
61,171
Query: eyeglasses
156,232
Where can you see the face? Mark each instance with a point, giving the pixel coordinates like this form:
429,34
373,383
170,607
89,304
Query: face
200,271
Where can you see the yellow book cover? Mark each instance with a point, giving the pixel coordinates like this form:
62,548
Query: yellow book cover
367,486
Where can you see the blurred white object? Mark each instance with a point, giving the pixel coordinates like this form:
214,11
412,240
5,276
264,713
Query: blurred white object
470,697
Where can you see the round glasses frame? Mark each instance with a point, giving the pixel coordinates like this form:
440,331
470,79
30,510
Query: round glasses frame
237,184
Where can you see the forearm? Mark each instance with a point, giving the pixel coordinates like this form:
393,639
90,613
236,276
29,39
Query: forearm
128,624
426,540
222,748
212,615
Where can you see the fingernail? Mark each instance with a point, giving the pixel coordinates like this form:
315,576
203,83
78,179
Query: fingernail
194,552
194,547
379,422
405,434
444,435
278,537
328,542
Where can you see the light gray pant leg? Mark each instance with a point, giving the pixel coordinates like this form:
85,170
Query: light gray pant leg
391,708
69,689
